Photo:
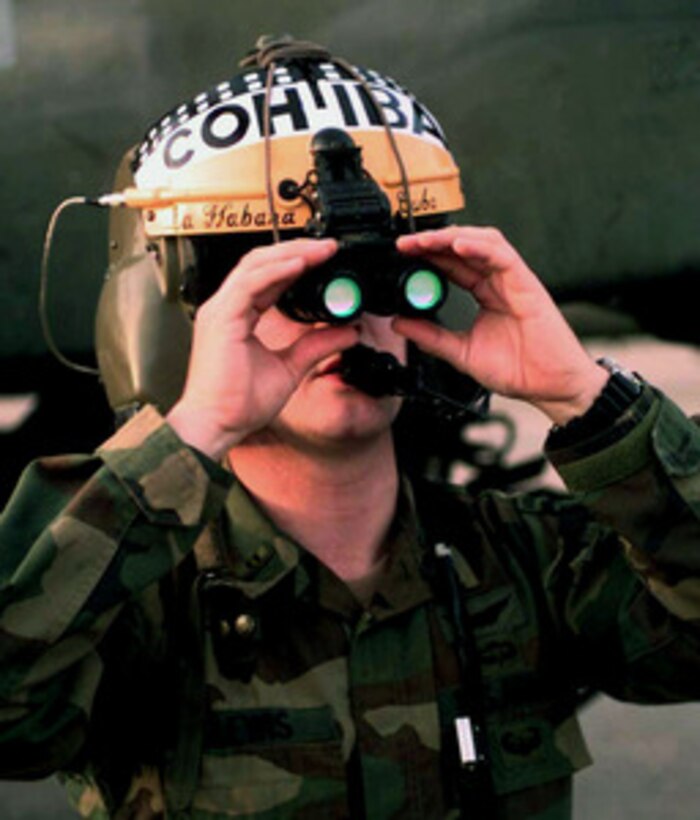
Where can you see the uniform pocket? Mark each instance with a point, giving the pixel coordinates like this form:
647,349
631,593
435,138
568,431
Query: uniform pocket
533,748
272,759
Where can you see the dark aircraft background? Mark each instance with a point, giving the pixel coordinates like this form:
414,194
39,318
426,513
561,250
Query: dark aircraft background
575,124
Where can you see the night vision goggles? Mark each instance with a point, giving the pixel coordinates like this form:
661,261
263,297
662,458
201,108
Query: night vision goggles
367,273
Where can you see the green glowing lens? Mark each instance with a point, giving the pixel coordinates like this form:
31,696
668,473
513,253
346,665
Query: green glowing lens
342,297
424,290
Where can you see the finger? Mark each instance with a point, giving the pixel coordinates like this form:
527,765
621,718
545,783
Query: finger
475,246
433,339
444,238
239,309
312,252
468,264
260,291
263,289
311,348
466,273
481,256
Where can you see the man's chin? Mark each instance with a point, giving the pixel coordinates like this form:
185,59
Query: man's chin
342,432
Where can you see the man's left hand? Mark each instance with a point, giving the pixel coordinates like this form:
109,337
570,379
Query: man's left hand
520,345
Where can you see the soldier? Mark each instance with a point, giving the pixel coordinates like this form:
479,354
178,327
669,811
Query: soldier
238,606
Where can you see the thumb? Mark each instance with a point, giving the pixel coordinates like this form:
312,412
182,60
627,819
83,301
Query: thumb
433,339
311,348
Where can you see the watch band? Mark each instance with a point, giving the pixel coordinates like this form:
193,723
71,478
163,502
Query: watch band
620,392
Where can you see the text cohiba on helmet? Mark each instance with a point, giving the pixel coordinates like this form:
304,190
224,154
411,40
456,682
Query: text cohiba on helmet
294,109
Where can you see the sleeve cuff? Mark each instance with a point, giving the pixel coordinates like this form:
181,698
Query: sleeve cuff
169,482
613,455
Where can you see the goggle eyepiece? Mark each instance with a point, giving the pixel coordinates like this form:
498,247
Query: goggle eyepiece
423,289
342,298
379,282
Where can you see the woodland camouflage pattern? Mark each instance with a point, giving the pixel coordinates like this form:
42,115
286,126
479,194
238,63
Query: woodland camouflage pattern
272,693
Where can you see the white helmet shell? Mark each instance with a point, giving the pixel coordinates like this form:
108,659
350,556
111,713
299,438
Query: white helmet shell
205,162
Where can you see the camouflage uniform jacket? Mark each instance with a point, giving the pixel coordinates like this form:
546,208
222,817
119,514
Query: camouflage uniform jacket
165,648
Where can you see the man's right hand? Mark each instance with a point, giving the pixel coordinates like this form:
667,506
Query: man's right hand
235,385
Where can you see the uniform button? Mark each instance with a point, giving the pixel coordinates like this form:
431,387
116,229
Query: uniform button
244,624
259,557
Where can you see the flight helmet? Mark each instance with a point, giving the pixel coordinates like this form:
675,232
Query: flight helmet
298,142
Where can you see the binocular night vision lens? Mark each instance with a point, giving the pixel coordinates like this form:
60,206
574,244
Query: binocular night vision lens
336,295
424,290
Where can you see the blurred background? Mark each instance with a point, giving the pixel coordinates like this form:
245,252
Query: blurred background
575,125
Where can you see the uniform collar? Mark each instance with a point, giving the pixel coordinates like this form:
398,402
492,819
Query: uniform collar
247,546
403,585
258,556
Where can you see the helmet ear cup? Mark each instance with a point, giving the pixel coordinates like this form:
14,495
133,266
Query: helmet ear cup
142,330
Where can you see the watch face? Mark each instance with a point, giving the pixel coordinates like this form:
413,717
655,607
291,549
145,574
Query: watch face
615,369
625,387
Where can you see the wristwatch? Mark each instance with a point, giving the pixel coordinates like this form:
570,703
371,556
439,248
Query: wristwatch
619,393
621,389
